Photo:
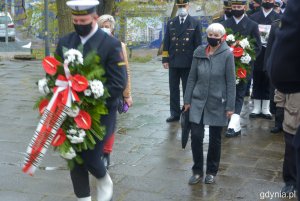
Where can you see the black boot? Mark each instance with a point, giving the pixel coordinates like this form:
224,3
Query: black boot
279,113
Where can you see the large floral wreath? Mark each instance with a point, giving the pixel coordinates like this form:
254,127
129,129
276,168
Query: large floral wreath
71,106
243,51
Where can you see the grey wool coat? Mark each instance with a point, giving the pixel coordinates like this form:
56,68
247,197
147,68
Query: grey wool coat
211,86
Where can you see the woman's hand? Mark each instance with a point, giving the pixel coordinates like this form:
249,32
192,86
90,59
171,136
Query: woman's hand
129,101
187,107
229,113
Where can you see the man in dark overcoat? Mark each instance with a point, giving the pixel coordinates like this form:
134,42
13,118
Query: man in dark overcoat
182,37
240,23
109,49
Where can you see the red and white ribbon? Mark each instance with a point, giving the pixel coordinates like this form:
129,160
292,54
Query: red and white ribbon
51,120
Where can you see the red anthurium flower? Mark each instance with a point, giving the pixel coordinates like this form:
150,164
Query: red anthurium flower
59,138
224,37
79,83
83,120
237,51
43,104
241,73
50,65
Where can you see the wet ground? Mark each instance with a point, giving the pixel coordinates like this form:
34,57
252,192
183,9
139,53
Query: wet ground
148,163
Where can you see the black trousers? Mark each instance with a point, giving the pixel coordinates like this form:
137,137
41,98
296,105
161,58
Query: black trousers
214,148
289,171
261,85
175,75
296,144
92,160
241,89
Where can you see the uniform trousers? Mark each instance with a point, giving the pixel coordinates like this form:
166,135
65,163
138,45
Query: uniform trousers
261,81
241,89
289,171
92,160
214,148
175,75
296,144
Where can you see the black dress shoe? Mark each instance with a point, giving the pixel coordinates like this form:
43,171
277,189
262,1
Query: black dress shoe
231,133
209,179
254,115
276,129
288,188
266,116
195,179
172,119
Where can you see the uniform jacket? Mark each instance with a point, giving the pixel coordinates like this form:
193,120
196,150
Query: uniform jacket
260,18
219,19
180,41
111,57
291,105
284,60
211,86
274,28
245,27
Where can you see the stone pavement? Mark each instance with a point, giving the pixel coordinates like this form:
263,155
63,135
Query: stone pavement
148,163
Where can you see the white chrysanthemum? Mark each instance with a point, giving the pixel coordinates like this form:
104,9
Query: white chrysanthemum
97,88
246,59
237,81
244,43
230,37
69,155
43,86
73,112
73,56
76,136
87,92
72,131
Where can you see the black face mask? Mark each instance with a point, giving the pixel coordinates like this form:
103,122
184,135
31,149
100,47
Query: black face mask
228,13
283,5
267,5
213,41
237,13
83,30
251,6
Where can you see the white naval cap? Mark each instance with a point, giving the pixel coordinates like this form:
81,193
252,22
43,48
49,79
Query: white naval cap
82,7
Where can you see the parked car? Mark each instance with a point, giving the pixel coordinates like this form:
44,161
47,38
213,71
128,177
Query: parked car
11,31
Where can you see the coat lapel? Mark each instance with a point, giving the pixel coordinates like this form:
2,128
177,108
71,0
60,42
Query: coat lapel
93,43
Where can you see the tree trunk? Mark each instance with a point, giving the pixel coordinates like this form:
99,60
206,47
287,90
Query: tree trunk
105,7
65,24
173,14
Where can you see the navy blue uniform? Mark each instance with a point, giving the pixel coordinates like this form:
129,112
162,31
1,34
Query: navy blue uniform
110,51
180,41
261,83
247,28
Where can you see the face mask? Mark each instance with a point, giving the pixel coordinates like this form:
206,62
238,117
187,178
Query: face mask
251,6
213,41
267,5
182,12
83,30
237,13
283,5
228,13
106,30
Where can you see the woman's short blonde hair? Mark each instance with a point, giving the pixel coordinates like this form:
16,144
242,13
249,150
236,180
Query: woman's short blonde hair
216,28
106,18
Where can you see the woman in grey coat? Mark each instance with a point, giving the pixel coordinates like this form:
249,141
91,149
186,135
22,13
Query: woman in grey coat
210,97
